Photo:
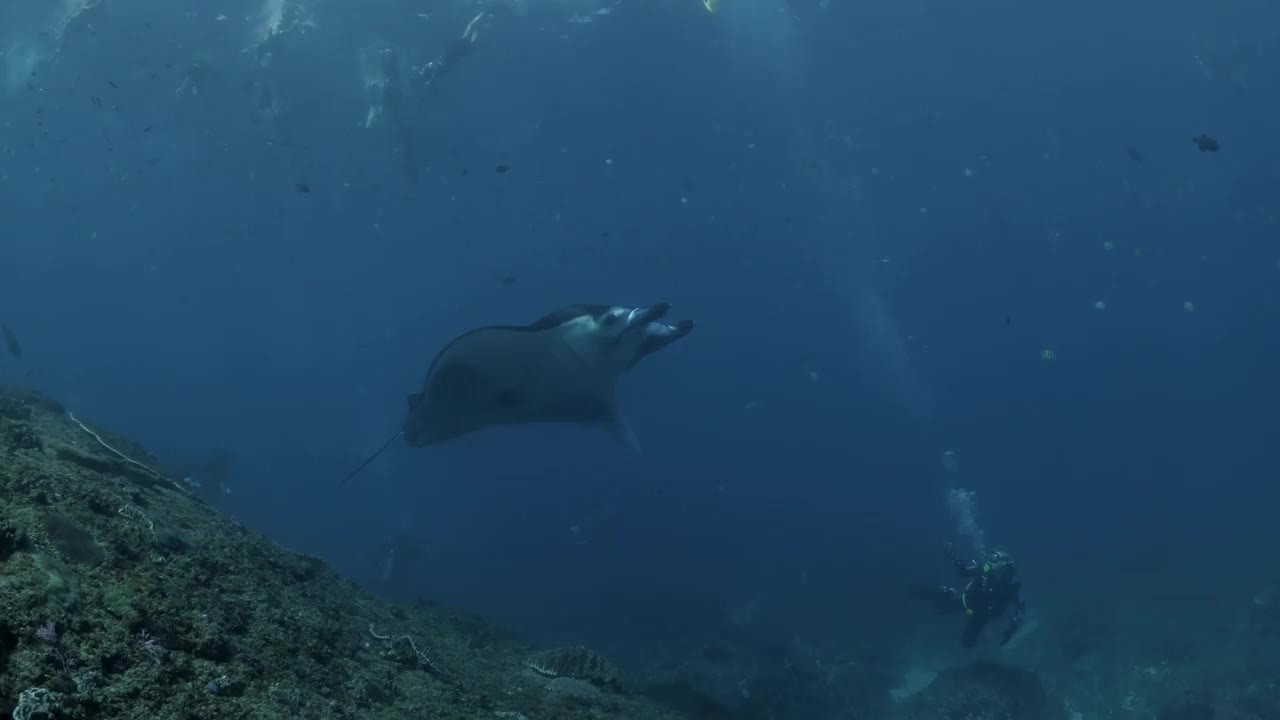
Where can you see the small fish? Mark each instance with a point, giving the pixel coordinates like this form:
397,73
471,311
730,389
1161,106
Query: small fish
11,342
1135,156
508,280
113,84
501,169
1205,143
303,187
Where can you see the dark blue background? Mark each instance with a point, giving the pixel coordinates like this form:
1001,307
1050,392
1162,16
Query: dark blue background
768,170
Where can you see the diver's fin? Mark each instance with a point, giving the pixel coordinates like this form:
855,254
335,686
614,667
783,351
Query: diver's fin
374,456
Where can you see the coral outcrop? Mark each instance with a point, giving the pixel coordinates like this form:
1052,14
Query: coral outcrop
579,663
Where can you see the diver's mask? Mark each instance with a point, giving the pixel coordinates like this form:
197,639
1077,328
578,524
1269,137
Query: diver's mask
997,560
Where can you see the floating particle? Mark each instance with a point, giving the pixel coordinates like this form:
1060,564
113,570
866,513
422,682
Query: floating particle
608,161
968,172
1108,246
1204,69
950,461
502,169
1189,306
1048,354
1100,305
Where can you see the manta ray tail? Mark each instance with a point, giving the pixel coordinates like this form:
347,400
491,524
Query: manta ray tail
371,458
617,425
628,436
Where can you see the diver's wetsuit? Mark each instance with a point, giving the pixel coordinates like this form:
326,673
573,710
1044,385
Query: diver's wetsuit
993,586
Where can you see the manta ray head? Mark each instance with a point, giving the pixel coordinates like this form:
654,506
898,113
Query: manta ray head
617,322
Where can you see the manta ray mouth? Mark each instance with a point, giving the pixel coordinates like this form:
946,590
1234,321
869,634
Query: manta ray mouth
640,317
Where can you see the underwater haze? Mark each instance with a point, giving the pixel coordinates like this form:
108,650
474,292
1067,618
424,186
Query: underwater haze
996,274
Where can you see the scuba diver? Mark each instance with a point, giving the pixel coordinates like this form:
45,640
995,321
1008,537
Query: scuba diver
389,106
993,586
457,49
461,46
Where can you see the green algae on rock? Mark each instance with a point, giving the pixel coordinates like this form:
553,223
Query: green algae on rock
123,596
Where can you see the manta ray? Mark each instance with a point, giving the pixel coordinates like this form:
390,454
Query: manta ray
562,368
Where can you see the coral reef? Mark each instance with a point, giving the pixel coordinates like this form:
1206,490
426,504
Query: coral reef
983,690
123,596
749,676
1188,709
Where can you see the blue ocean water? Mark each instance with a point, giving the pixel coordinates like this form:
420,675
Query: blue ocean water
928,245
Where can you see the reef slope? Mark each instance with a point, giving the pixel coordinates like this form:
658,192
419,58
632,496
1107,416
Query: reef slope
123,596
